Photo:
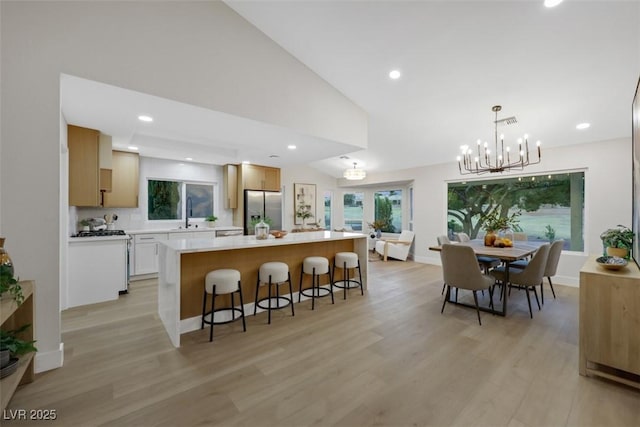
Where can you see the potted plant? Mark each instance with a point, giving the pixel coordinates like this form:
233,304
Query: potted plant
494,222
11,345
211,220
377,226
617,241
85,223
9,284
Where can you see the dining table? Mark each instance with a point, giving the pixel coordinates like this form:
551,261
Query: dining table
507,255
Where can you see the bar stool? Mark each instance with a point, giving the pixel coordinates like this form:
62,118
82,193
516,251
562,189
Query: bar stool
315,266
347,261
222,282
273,273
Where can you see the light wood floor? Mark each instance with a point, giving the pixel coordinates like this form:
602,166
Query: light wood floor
388,358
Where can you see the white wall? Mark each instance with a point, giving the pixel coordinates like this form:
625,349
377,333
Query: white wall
201,53
130,219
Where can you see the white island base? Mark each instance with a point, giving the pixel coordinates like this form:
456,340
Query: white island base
185,263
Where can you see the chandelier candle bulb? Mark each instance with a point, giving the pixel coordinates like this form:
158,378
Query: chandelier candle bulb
486,162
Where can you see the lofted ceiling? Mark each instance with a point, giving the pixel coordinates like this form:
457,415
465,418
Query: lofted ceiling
550,68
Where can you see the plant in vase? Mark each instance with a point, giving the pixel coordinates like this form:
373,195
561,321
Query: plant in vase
211,220
378,225
494,222
617,241
84,224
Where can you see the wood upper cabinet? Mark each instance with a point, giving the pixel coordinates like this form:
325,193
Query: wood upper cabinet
84,166
255,177
124,191
230,178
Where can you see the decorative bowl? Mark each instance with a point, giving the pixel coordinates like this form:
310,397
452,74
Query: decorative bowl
278,233
612,262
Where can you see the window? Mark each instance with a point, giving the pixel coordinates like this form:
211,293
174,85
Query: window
388,209
550,207
353,212
167,200
327,209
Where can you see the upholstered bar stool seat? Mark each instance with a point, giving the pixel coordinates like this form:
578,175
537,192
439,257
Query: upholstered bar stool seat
347,261
217,283
273,274
315,266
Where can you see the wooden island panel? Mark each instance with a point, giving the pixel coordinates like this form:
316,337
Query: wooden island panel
195,266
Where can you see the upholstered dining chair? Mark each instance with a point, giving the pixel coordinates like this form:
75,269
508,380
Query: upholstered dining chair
487,263
550,269
460,270
528,278
396,248
443,239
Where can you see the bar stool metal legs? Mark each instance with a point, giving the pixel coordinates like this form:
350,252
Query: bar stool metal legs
315,266
218,283
347,261
275,274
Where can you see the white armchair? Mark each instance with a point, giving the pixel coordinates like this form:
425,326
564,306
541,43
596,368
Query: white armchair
396,248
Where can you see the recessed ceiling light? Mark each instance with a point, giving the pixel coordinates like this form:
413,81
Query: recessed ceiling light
552,3
188,158
246,162
291,147
145,118
583,126
394,74
133,147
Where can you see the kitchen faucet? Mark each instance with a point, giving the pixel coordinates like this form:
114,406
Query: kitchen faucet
189,212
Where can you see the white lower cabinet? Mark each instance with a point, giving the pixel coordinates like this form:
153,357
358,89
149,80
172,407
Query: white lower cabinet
145,253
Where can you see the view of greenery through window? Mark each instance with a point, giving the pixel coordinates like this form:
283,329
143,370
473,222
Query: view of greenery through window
165,199
327,210
388,210
551,207
353,213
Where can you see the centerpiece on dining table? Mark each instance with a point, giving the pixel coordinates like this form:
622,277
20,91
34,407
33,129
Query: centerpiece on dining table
499,228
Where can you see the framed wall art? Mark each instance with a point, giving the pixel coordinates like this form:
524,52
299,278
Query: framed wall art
304,203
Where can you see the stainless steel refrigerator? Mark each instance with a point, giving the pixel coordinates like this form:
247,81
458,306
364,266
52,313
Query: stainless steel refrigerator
259,205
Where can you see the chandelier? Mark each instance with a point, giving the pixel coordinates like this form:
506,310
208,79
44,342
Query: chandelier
355,173
485,161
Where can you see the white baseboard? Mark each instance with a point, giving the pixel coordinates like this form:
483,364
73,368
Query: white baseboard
49,360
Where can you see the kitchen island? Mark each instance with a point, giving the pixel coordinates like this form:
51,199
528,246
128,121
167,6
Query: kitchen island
184,264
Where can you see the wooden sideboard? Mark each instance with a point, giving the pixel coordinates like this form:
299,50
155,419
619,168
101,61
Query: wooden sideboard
12,317
610,322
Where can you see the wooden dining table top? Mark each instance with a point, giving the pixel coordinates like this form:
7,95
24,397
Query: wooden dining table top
518,251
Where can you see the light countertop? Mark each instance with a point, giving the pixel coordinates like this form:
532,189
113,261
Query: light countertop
97,239
244,242
184,230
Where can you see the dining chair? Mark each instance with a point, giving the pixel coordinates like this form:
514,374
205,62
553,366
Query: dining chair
487,263
443,239
528,278
460,270
550,269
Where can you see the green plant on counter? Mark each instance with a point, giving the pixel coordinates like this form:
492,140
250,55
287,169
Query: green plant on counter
9,341
9,283
85,222
619,237
211,218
